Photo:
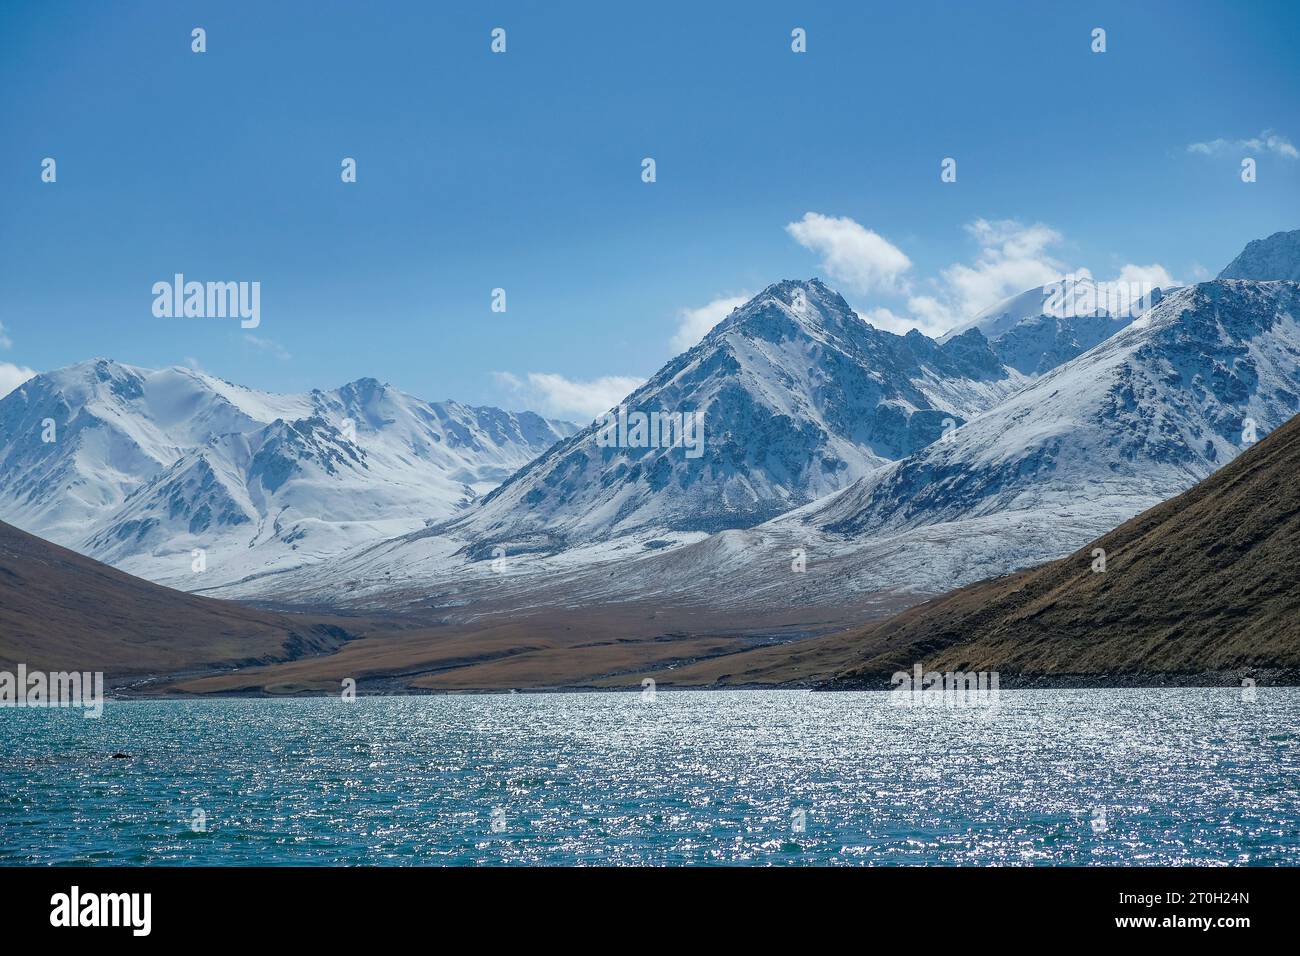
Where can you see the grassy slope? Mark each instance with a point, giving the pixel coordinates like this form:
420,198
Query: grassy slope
60,610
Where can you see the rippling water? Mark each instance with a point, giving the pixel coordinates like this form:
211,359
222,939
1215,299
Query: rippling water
1074,777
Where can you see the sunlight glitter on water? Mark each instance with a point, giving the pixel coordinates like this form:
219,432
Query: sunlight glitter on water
1176,776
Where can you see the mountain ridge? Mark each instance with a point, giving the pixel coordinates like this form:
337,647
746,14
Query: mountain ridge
797,395
1274,258
1063,457
142,466
1175,391
1204,583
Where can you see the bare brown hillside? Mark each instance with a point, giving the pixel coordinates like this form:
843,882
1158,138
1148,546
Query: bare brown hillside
60,610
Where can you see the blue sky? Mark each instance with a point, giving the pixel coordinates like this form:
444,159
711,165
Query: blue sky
522,171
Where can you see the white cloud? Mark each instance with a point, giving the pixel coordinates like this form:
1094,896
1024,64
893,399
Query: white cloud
694,324
5,341
1266,142
554,394
1011,257
889,320
929,315
11,376
852,254
1154,274
268,345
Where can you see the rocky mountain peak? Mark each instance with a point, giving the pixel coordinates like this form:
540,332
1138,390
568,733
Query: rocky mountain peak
1265,260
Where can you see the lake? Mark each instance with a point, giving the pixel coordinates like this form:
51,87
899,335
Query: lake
1080,777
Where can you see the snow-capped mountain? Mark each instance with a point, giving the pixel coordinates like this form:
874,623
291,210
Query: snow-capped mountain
1039,344
139,467
76,441
796,397
894,464
1044,327
1277,257
1154,409
1058,460
1005,315
1129,424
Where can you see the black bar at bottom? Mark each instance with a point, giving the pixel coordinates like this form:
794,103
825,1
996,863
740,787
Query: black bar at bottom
328,905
